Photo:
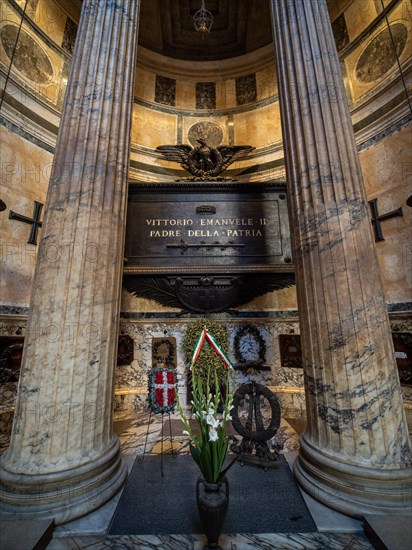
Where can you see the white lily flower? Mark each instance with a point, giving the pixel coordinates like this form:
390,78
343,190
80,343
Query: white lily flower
213,435
212,421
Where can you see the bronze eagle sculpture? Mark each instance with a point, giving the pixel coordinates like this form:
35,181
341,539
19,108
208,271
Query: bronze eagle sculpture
204,162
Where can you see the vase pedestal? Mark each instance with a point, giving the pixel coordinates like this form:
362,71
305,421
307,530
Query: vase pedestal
212,503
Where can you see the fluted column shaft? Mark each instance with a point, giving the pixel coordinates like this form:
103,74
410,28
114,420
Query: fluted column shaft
63,456
355,454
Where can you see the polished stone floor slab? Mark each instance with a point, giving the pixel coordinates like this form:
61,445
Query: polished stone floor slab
25,535
389,532
307,541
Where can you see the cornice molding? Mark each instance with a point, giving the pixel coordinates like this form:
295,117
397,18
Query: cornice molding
206,70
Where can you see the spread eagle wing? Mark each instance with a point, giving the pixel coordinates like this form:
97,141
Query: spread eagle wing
175,153
232,153
158,289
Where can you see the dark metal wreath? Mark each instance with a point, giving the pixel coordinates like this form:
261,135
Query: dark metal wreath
255,391
255,333
170,349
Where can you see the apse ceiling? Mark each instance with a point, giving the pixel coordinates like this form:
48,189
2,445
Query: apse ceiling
239,27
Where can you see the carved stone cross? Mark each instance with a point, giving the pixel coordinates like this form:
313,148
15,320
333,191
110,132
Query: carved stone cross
35,221
377,219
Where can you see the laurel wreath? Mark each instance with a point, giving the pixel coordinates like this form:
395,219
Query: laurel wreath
170,351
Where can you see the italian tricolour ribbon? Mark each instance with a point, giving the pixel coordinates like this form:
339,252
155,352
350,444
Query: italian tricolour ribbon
204,335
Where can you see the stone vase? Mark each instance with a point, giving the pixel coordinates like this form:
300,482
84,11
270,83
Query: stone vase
212,503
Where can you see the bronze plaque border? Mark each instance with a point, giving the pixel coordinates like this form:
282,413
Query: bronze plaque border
159,191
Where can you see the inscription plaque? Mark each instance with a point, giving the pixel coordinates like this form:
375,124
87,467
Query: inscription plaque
207,228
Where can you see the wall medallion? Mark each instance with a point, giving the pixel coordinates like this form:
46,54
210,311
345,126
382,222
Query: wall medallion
211,132
30,58
379,56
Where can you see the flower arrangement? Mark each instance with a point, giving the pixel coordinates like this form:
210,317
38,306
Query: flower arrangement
208,358
211,406
209,447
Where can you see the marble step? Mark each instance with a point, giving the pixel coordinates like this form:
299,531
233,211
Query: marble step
389,532
26,535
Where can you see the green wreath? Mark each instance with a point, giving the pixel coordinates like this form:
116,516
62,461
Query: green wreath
170,351
207,357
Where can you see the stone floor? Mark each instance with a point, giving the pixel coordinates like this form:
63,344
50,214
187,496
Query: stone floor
309,541
336,531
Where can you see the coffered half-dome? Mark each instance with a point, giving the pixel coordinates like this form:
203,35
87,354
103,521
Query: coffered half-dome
239,27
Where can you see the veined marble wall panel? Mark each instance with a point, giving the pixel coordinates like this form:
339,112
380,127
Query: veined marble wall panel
388,164
42,70
31,7
131,380
132,303
226,97
24,179
358,15
267,84
387,171
145,85
258,127
153,128
50,17
280,300
221,96
185,95
230,92
377,60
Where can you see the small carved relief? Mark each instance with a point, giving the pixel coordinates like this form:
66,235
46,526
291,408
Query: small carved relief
164,352
29,58
165,90
69,36
340,32
125,350
379,56
246,91
205,95
290,350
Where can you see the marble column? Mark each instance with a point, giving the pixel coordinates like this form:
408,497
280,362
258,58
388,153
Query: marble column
63,460
355,454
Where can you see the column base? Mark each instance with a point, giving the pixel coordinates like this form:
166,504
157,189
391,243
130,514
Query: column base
352,490
62,496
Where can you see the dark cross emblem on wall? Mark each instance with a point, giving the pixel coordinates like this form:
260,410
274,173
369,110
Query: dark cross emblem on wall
377,219
35,221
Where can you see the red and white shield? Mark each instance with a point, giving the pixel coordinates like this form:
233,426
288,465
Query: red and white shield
162,389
